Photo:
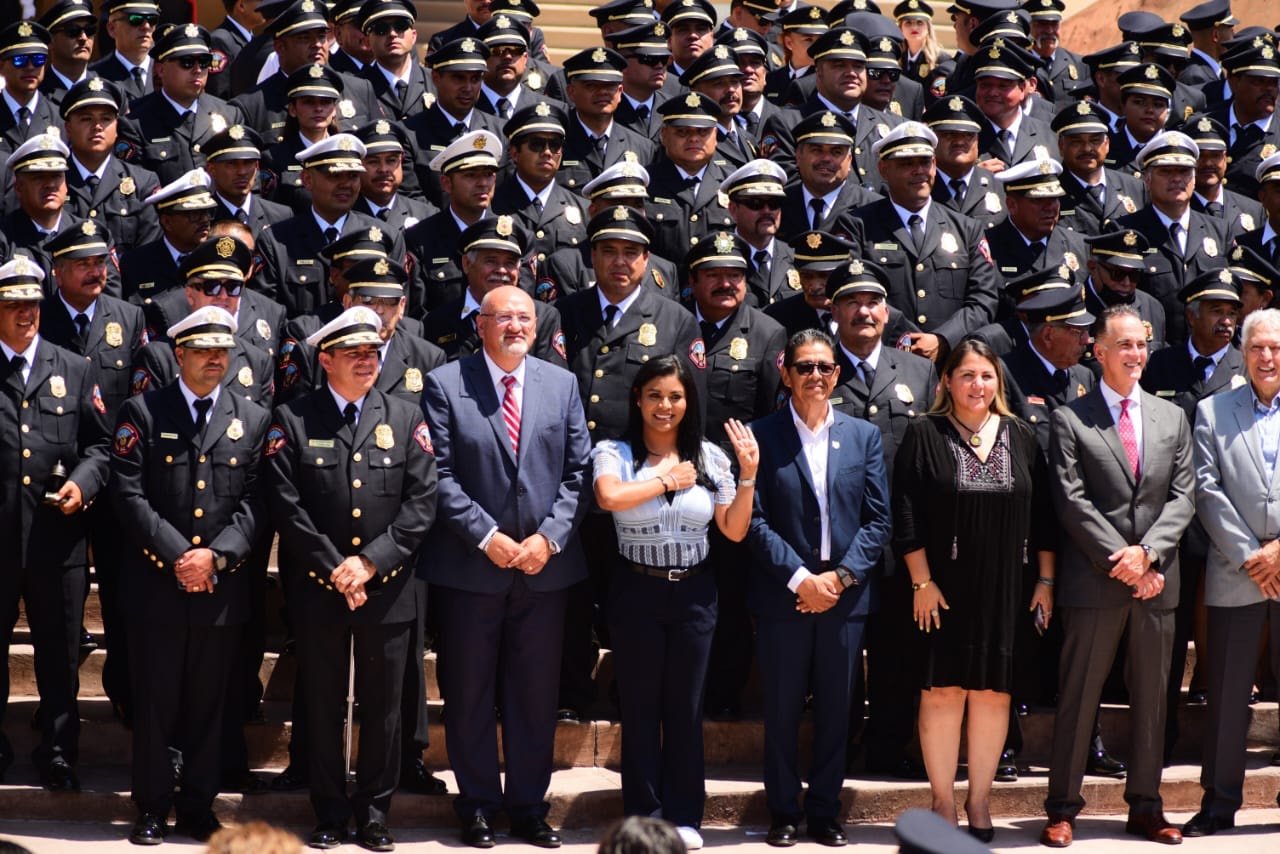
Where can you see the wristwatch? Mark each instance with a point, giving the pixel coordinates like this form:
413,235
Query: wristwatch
219,562
847,578
1152,557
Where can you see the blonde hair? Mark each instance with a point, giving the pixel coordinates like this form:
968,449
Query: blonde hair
931,49
944,404
256,837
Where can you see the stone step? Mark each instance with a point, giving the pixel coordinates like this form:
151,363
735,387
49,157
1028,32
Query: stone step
591,797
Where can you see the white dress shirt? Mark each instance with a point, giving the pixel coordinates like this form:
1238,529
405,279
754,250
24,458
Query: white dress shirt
29,354
191,397
622,306
815,446
342,402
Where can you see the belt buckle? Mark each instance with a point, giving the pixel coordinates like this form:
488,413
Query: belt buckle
676,574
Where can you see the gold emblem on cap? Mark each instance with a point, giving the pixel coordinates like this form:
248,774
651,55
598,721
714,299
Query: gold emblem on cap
722,52
815,13
114,334
886,45
226,247
846,38
308,6
1177,31
381,267
1064,272
813,241
502,22
1204,125
127,186
1224,276
503,226
1046,168
692,100
24,30
660,30
235,430
994,53
913,4
1237,254
648,335
468,45
478,143
598,55
1151,73
57,386
383,437
828,120
236,132
95,84
740,34
619,213
315,72
1012,17
1268,53
1083,108
723,243
245,376
89,229
542,109
856,268
738,349
382,128
375,234
955,105
192,31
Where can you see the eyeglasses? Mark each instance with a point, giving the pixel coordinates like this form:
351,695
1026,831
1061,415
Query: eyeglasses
216,287
1121,274
759,204
508,319
881,73
384,28
35,60
142,20
508,52
378,302
539,144
653,61
186,63
804,369
76,31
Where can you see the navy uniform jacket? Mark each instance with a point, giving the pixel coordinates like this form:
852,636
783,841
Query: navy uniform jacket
837,219
170,146
1123,194
1241,214
983,196
320,471
1035,141
456,335
249,375
117,333
266,105
65,421
778,144
782,282
581,162
561,224
174,490
118,203
649,127
259,321
23,238
785,532
53,86
1123,154
680,218
1168,270
405,212
1066,72
416,98
568,271
1197,72
796,315
1015,257
110,68
1032,393
262,213
431,131
742,371
777,83
950,287
293,273
605,360
1002,336
282,170
437,263
227,41
147,269
1253,240
528,94
484,484
44,116
407,360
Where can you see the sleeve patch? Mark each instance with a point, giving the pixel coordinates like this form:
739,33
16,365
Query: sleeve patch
98,403
140,382
546,289
557,344
422,435
276,440
126,437
698,354
985,249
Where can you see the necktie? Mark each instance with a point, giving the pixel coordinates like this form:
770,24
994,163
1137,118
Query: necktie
82,329
536,201
916,223
330,235
1214,209
383,213
868,374
1097,191
824,318
24,117
1175,231
610,315
1037,250
504,107
138,79
1128,438
709,332
202,407
241,215
691,184
18,363
642,113
817,207
471,318
958,188
349,414
761,260
401,89
753,122
1273,248
1060,381
602,142
511,413
459,129
1006,142
92,183
1204,367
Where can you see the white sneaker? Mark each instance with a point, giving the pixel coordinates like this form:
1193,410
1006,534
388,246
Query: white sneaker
691,837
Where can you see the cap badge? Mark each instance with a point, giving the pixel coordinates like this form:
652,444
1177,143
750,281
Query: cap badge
1177,31
856,268
1268,53
813,241
722,52
1064,272
828,120
1012,17
660,30
1046,168
468,45
724,243
478,143
740,35
226,247
345,143
315,72
24,30
619,213
502,22
815,13
598,55
504,226
955,105
1083,108
95,84
913,4
308,6
88,229
994,53
375,234
1151,73
191,31
1224,276
381,267
382,128
846,38
542,109
236,132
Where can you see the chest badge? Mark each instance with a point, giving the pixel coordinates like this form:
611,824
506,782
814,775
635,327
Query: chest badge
1210,247
264,328
1080,392
948,242
903,391
573,215
413,380
992,203
383,437
648,335
57,386
793,279
127,186
245,376
738,349
235,430
114,334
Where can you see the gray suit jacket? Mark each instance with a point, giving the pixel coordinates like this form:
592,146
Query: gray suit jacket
1237,501
1103,510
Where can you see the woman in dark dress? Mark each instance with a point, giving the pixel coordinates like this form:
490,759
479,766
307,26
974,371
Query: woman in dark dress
971,515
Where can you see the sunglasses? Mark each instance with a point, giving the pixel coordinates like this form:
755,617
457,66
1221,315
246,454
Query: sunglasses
216,287
141,20
759,204
654,61
384,28
804,369
539,144
509,52
186,63
35,60
75,32
1122,274
881,73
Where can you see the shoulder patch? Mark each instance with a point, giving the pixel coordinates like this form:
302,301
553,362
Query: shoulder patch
98,403
422,435
276,440
546,289
140,381
557,344
698,354
126,437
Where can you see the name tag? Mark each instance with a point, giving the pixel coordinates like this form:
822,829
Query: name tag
163,139
835,401
307,262
435,261
892,247
319,443
660,201
1165,392
169,436
564,163
1035,400
1008,269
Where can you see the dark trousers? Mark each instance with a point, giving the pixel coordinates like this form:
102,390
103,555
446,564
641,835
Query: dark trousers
501,650
733,645
108,548
892,687
1190,571
662,633
180,675
584,630
414,735
798,657
1091,640
244,686
1234,634
54,601
380,652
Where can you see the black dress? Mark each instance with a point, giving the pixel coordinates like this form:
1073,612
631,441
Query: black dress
980,525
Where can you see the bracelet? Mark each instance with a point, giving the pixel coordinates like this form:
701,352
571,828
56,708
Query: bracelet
662,479
750,481
1047,582
922,585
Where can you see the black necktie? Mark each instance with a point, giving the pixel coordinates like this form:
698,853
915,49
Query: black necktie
1214,209
82,330
92,183
330,235
709,332
459,129
1273,248
958,188
817,207
1204,367
138,79
241,215
1037,251
202,407
383,214
1175,231
753,122
916,223
24,117
602,142
17,363
824,318
471,318
642,113
1060,381
536,201
349,413
401,89
868,374
761,260
1006,142
690,184
1097,191
504,107
610,315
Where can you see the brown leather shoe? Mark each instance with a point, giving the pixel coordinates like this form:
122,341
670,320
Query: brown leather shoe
1056,834
1154,827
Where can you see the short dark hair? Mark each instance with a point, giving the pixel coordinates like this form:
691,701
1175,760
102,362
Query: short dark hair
803,338
641,834
1122,310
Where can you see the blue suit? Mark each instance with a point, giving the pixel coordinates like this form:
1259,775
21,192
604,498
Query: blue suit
500,625
812,653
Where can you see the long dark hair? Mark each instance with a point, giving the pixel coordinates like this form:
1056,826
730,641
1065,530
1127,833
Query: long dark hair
688,434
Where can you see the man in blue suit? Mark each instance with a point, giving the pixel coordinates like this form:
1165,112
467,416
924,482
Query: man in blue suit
821,519
511,446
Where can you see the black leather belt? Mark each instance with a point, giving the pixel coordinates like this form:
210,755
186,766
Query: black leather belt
677,573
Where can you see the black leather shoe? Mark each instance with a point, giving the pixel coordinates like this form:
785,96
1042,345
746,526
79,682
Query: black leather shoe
1007,770
244,783
568,715
827,831
374,836
782,834
148,829
537,832
478,833
414,777
289,780
1207,824
58,776
1197,698
1102,764
327,835
199,827
982,834
1275,760
88,643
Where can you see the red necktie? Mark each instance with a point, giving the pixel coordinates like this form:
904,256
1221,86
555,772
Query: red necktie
1128,438
511,413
